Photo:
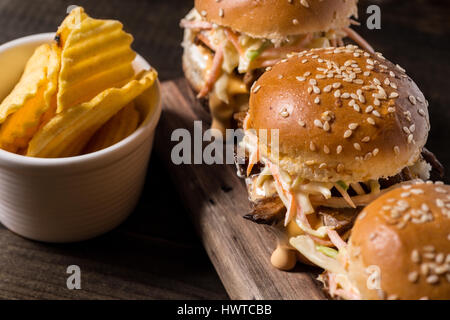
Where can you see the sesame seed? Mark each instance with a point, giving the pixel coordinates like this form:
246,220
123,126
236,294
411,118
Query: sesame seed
336,85
432,279
326,149
322,165
357,146
327,88
295,21
376,113
310,162
413,276
410,138
376,81
396,150
371,121
348,133
312,82
405,194
337,93
421,112
375,151
221,12
284,113
393,95
391,109
317,100
203,13
312,146
338,149
301,123
304,61
301,79
412,99
400,68
412,128
365,139
369,109
353,126
318,123
256,89
316,89
415,256
326,126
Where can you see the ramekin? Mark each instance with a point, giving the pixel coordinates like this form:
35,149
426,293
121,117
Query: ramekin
76,198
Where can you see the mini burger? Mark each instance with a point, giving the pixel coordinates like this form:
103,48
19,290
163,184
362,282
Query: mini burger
228,44
349,124
399,248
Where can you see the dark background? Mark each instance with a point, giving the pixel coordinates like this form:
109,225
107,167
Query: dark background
155,253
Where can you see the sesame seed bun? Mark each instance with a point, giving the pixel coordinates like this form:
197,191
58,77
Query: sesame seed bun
331,126
406,234
275,19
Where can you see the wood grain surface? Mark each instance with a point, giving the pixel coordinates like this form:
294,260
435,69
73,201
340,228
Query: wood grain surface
217,199
156,253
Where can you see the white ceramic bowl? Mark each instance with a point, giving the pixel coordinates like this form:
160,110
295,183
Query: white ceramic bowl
77,198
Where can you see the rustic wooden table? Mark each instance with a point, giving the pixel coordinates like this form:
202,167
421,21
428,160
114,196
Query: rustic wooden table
155,253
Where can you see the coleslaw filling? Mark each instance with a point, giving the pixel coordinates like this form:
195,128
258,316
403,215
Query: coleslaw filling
244,53
301,197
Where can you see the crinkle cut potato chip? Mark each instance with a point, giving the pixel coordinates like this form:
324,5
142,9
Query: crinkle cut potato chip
32,101
78,123
120,126
96,55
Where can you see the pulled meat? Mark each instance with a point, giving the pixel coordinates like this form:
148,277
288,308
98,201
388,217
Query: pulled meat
267,210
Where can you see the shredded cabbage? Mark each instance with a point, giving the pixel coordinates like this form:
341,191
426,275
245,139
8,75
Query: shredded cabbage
306,246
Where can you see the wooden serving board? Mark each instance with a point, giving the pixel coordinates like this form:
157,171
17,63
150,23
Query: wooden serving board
217,199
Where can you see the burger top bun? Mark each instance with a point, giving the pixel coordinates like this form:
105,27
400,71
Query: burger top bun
275,19
402,241
342,114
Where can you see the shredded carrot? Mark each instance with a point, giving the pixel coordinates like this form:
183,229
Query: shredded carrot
201,36
345,195
291,196
214,73
234,39
292,209
321,242
254,158
352,34
336,239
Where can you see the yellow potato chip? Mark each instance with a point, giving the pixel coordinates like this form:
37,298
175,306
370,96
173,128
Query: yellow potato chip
25,119
116,129
70,125
34,77
96,55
